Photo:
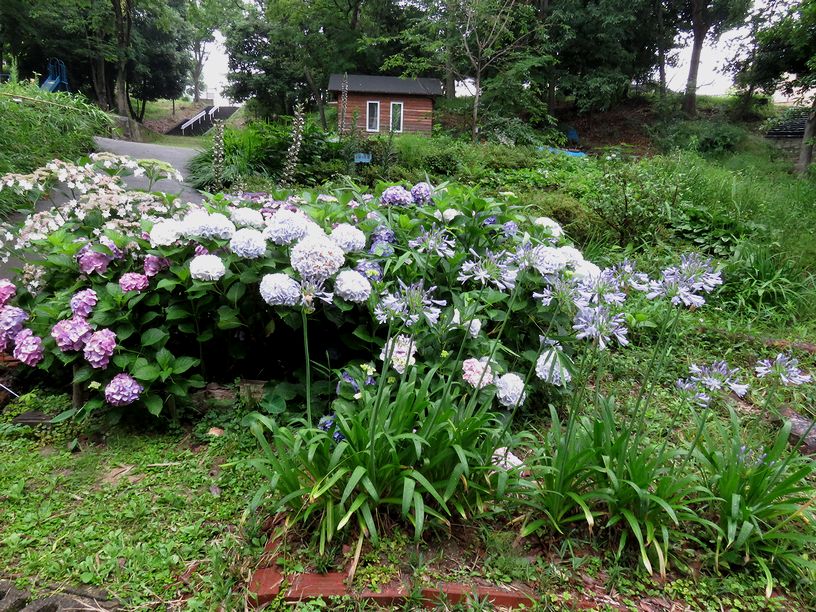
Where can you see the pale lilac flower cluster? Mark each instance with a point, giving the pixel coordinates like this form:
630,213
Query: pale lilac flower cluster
99,348
599,325
7,291
352,286
496,269
348,238
122,390
422,193
784,368
11,323
316,258
550,226
400,351
510,390
381,240
370,269
435,240
684,283
286,227
28,348
207,268
248,243
477,372
717,377
549,260
200,223
510,229
247,217
410,304
71,334
83,302
396,196
280,290
153,264
133,281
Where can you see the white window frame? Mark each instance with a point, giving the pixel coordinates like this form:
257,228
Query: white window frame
401,117
368,116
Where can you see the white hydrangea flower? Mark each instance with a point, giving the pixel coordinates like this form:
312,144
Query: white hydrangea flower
474,327
548,260
503,458
280,290
352,286
572,255
586,270
247,217
207,267
550,369
201,223
286,227
554,228
348,238
165,233
447,215
248,243
401,350
510,390
316,258
195,221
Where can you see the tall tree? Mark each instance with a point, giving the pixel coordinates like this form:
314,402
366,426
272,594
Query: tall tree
708,19
123,24
204,18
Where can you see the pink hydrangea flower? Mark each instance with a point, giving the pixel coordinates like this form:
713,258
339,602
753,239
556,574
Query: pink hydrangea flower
153,264
90,261
7,290
122,390
71,334
11,321
133,281
83,302
28,348
472,372
99,348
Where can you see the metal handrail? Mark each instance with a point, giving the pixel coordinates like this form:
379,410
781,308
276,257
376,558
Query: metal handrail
195,119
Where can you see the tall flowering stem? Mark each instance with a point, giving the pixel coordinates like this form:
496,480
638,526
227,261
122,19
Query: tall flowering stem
344,88
298,123
305,319
218,156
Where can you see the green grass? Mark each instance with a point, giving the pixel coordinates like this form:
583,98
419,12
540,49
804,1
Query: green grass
129,514
163,109
191,142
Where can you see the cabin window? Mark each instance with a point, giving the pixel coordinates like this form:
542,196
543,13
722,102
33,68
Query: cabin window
396,116
373,116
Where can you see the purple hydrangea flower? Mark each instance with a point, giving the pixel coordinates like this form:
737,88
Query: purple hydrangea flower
410,304
91,261
28,348
115,251
7,291
99,348
133,281
11,321
381,249
122,390
784,368
396,196
71,334
493,268
599,325
370,269
383,233
153,264
83,302
435,240
422,193
718,376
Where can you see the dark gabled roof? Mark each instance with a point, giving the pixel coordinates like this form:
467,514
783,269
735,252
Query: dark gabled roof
367,83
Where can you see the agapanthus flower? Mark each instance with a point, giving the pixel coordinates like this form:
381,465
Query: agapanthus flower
496,269
510,390
207,268
603,288
99,348
491,220
28,348
153,264
7,291
122,390
784,368
684,283
248,243
370,269
352,286
327,424
598,324
435,240
310,291
400,351
133,281
396,196
477,372
552,227
348,238
510,229
410,304
316,258
165,233
11,320
562,290
422,193
692,392
280,290
717,377
83,302
628,275
550,368
92,261
71,334
381,249
383,233
247,217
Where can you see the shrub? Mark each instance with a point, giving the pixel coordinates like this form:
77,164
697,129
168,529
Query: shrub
701,136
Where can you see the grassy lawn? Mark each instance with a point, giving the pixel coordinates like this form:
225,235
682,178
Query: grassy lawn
192,142
163,109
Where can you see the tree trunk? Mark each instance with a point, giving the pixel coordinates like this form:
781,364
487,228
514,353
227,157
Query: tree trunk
661,51
199,57
476,99
450,80
317,95
122,22
99,80
806,151
700,29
